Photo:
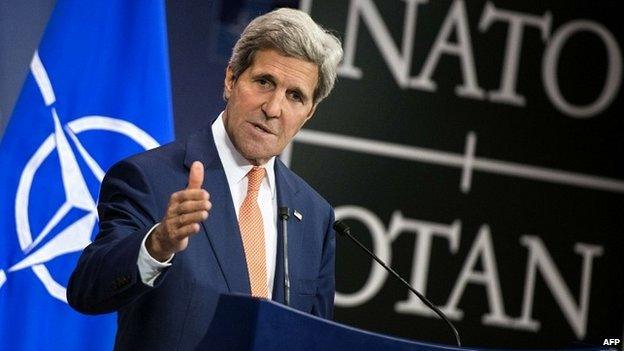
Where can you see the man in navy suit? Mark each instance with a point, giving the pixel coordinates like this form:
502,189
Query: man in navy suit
174,221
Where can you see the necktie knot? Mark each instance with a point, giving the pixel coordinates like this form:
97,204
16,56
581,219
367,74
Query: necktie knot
255,176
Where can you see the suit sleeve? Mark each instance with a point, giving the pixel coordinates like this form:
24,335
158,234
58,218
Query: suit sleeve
106,277
324,305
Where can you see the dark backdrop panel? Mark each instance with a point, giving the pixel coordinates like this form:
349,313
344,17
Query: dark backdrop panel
540,210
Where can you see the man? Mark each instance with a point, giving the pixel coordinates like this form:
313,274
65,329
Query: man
182,223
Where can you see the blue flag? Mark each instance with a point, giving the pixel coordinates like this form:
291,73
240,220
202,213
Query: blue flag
97,91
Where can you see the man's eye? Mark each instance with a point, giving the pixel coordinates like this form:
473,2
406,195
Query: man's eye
263,82
296,97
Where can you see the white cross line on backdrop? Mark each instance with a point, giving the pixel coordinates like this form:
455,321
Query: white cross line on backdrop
467,161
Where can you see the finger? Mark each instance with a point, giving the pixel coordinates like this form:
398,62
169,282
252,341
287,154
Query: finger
192,206
188,195
190,218
196,176
180,233
187,230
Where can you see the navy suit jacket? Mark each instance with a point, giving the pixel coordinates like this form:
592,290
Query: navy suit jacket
177,311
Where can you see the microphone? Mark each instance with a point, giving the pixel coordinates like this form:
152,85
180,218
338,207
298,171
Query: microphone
341,228
284,214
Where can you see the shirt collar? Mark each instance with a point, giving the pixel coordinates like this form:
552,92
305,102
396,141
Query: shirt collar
235,165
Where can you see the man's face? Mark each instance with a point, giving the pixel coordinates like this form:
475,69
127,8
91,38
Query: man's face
268,103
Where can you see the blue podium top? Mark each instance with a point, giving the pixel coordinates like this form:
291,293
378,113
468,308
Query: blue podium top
245,323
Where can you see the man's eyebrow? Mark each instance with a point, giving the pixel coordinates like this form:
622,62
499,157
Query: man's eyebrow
266,76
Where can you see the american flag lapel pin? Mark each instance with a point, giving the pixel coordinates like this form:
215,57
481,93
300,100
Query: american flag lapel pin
298,215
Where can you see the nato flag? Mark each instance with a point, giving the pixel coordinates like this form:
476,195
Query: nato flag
97,91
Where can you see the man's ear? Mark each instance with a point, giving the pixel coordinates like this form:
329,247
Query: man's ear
228,82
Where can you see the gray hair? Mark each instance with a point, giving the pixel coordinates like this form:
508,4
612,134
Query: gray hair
292,33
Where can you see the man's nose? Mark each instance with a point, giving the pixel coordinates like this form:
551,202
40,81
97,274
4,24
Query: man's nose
272,107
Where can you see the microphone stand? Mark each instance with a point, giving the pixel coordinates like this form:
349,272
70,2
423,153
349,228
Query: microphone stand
343,229
284,215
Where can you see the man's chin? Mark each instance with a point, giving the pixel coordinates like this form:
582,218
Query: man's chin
256,158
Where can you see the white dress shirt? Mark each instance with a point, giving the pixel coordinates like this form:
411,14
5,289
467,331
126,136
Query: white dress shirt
236,168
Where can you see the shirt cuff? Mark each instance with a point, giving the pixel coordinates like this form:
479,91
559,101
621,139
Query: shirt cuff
149,267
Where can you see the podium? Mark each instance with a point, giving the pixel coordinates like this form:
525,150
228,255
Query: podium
245,323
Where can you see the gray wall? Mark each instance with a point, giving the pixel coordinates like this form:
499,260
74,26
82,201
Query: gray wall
21,26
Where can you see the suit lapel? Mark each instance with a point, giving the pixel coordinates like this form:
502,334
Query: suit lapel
221,227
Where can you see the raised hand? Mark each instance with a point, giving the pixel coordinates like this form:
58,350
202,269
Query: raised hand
187,208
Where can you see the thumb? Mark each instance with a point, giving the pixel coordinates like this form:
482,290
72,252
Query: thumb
196,176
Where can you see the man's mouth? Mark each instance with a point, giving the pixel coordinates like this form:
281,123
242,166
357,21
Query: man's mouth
262,128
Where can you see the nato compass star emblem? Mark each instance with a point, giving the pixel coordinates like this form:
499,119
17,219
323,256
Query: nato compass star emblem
75,235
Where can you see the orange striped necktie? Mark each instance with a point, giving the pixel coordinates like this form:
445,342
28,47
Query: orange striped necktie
252,232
